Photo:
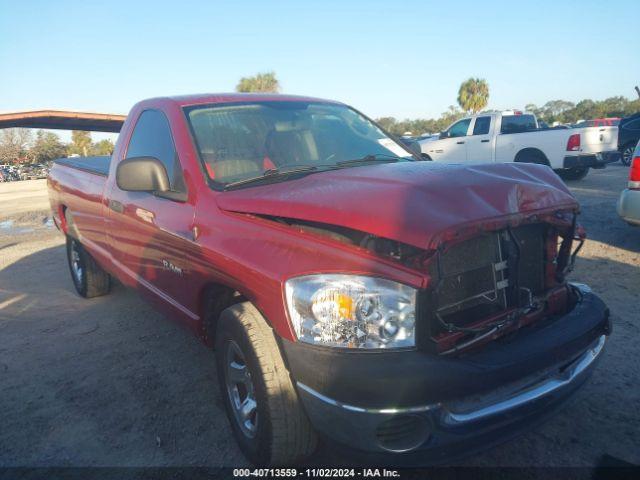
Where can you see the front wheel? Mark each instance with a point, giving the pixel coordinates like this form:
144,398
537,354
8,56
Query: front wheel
575,173
627,154
262,405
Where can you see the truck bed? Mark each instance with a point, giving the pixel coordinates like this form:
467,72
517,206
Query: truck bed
98,165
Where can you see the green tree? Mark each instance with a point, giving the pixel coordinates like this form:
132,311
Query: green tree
388,123
560,110
552,110
532,108
47,146
103,147
262,82
587,109
452,114
584,110
80,143
473,95
14,145
632,107
419,126
614,106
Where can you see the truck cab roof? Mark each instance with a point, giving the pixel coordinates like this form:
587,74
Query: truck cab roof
212,98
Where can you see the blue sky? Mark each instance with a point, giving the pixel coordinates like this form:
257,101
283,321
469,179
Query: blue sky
403,59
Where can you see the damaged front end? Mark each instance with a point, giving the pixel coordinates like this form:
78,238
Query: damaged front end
499,338
492,243
494,283
502,340
481,284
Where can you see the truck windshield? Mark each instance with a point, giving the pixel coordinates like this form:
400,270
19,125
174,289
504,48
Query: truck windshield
242,141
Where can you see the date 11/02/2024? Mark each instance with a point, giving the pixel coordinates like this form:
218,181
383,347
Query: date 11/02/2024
316,472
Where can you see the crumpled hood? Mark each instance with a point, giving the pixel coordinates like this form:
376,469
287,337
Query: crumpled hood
418,203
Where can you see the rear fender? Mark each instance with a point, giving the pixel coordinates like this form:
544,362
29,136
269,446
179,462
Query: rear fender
527,155
67,224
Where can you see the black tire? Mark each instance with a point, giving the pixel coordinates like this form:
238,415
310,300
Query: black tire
282,433
626,154
88,278
531,156
575,173
426,157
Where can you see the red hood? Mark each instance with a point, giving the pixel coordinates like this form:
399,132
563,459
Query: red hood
418,203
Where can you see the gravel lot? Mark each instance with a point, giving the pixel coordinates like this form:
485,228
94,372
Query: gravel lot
110,382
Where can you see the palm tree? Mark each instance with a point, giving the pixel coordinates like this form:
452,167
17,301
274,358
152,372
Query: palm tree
473,95
262,82
80,142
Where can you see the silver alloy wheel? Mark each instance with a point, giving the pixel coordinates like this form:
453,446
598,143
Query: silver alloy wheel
627,153
76,264
240,390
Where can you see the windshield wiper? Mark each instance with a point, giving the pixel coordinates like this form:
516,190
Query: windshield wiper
289,169
371,158
276,173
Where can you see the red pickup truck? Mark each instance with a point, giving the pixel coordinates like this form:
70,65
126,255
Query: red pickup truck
397,307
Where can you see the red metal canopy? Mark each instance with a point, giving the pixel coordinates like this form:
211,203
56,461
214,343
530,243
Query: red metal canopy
61,120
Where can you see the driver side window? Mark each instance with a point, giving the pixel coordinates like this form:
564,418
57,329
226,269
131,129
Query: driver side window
459,129
152,138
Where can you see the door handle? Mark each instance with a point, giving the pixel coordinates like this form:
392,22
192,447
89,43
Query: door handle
116,206
484,141
460,143
145,215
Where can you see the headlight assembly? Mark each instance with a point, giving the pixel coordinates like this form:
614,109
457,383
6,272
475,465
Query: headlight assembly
351,311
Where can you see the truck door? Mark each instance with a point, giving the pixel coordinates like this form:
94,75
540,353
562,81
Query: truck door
451,146
480,142
150,233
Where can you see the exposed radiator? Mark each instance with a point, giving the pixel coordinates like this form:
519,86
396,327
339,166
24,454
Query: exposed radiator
479,277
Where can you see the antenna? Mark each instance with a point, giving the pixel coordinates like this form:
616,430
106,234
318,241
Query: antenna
638,91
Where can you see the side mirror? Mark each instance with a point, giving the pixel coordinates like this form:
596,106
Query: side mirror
142,174
444,135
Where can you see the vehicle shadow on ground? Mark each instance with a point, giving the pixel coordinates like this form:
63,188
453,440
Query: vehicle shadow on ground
109,381
106,381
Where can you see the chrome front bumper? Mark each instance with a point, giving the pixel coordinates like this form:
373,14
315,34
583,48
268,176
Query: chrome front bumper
436,426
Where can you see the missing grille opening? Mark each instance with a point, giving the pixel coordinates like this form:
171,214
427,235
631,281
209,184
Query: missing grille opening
486,275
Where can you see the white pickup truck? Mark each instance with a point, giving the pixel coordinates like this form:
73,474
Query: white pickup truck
512,136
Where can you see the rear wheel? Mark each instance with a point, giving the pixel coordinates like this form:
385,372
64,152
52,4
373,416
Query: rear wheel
262,404
88,278
531,156
626,154
575,173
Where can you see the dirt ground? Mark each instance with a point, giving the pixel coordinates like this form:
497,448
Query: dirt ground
110,382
